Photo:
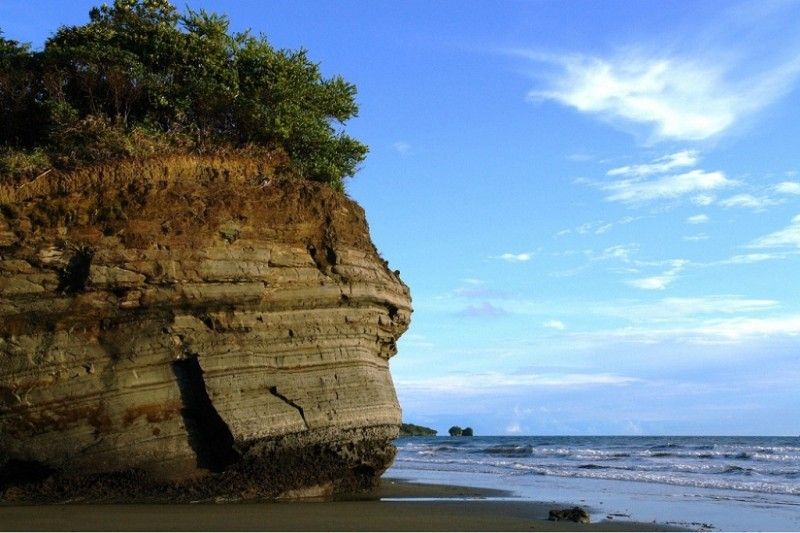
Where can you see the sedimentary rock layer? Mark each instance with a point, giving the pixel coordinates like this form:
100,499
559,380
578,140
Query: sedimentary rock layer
189,316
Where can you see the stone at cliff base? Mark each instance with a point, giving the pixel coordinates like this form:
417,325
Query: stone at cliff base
175,329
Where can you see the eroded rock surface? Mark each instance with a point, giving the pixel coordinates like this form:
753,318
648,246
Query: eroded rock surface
189,327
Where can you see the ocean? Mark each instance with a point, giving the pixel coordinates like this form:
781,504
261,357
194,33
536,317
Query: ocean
724,483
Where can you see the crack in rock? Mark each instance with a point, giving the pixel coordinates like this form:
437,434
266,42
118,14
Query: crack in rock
274,391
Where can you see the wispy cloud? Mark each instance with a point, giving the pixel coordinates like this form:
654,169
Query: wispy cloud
686,158
478,292
515,258
483,310
697,219
703,199
491,382
678,308
401,147
554,324
597,227
621,252
687,97
730,330
788,187
787,237
661,281
696,237
746,259
665,187
759,203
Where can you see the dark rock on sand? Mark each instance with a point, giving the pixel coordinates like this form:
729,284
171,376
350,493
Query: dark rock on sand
575,514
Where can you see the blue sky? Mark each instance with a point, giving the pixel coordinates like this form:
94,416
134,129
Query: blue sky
596,205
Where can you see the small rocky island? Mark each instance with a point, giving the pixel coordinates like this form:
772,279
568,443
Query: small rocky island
457,431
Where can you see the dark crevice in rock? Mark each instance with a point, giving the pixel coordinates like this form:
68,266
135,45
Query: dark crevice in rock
324,254
274,391
330,255
209,436
392,312
72,278
208,321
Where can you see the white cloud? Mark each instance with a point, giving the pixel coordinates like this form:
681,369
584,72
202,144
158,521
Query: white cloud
703,199
697,219
651,283
515,258
687,98
603,229
670,186
712,331
751,258
748,200
661,281
401,147
686,158
597,227
513,428
491,382
554,324
788,187
417,341
696,237
743,327
621,252
677,308
483,310
787,237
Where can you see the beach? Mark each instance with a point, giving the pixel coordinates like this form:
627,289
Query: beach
698,483
396,506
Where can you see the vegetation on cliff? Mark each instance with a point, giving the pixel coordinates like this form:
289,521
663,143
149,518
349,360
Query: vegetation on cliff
413,430
141,79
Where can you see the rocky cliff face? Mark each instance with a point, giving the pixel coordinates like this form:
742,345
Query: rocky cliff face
189,328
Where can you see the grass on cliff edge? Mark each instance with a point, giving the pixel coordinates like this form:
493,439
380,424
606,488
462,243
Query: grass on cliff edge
141,79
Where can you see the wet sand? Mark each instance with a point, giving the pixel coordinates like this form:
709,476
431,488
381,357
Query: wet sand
396,506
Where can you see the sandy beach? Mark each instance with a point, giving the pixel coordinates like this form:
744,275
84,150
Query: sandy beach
396,506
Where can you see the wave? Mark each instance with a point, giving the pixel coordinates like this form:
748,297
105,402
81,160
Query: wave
667,446
508,450
729,478
734,469
594,454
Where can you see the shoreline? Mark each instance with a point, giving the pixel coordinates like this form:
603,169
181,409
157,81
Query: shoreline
397,505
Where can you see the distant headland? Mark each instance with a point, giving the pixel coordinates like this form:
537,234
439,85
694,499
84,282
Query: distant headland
413,430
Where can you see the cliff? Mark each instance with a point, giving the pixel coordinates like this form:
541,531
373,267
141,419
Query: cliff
189,327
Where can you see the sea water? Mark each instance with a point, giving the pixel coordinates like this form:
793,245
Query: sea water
730,483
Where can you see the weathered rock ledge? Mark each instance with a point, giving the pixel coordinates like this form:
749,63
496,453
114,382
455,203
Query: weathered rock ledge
187,328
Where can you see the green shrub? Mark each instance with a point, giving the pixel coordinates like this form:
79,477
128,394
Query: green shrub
16,163
140,78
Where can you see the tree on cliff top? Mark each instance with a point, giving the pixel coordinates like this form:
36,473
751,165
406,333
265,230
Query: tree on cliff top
140,78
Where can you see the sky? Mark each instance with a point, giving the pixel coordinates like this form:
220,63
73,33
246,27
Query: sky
596,205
